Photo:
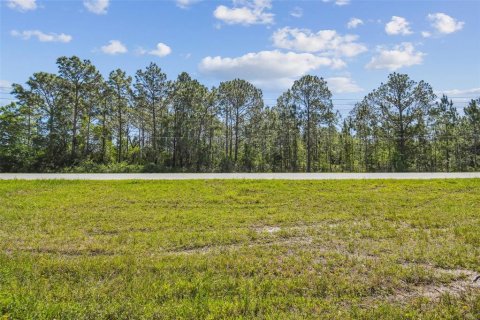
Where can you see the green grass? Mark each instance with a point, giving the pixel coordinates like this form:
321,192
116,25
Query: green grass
239,249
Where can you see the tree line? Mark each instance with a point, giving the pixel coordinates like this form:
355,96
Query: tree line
77,120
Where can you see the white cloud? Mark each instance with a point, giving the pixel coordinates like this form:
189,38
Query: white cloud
426,34
296,12
41,36
403,55
354,22
161,50
268,69
114,47
5,86
461,92
327,42
96,6
22,5
343,85
398,25
184,4
338,2
246,12
444,23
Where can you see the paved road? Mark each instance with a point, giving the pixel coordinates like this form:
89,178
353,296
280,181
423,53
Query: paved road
261,176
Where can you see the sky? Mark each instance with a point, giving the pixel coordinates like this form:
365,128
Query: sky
353,44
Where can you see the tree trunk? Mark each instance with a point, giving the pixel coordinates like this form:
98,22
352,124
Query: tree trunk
309,159
236,134
104,136
74,131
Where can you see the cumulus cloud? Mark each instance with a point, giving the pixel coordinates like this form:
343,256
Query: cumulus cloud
296,12
338,2
327,42
41,36
426,34
22,5
445,24
97,6
161,50
354,22
246,12
403,55
114,47
267,69
343,85
398,25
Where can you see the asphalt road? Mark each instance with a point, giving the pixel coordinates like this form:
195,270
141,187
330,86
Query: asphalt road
260,176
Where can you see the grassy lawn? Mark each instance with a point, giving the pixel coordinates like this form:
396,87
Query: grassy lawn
240,249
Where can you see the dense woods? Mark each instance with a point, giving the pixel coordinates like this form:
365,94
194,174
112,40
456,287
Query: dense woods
76,120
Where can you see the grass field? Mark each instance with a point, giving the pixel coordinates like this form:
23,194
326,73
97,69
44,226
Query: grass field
240,249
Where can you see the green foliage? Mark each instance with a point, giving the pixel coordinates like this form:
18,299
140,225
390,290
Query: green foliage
241,104
75,118
314,100
90,166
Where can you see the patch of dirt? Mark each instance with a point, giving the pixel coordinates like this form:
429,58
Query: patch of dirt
435,291
464,283
268,229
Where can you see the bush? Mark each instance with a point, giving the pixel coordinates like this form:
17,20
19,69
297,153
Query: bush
89,166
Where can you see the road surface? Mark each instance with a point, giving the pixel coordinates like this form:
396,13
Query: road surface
259,176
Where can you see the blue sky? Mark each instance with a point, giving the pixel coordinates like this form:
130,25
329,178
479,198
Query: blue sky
353,44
